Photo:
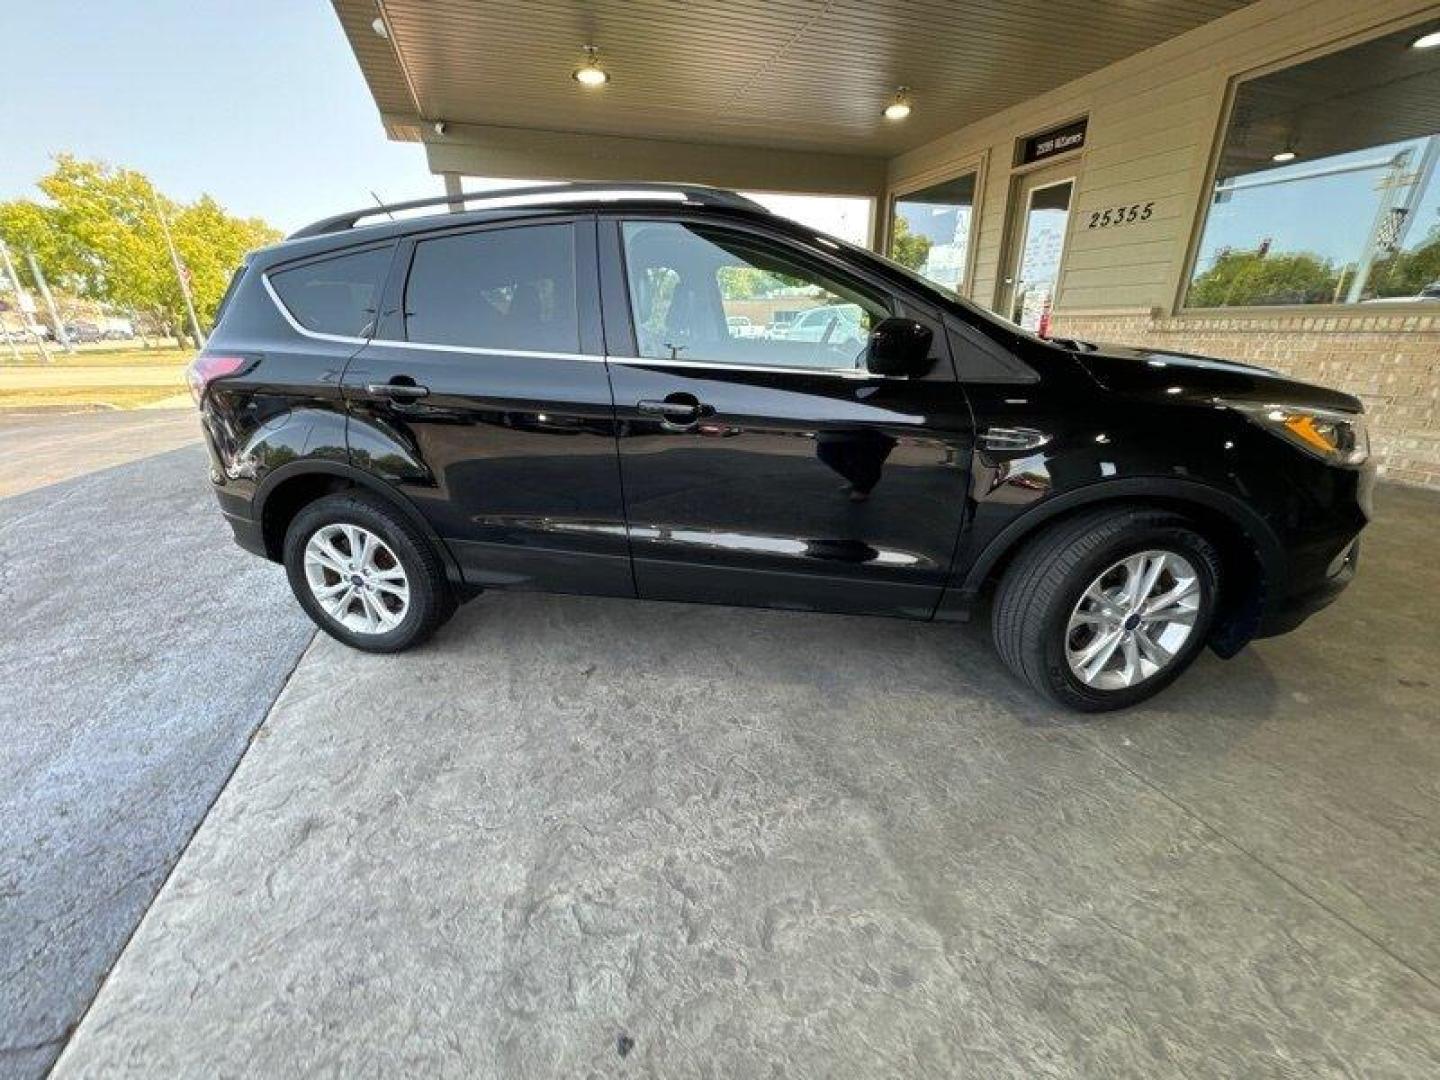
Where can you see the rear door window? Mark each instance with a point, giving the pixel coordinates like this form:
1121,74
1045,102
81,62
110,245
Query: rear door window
503,289
339,295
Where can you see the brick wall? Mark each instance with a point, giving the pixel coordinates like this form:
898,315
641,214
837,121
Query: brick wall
1391,362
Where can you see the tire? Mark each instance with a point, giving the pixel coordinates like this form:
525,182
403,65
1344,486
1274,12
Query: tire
1045,588
428,600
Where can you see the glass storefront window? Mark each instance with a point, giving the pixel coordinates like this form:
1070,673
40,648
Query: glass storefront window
1328,187
930,230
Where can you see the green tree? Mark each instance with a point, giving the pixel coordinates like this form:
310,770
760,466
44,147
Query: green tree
909,249
1247,278
1407,272
100,236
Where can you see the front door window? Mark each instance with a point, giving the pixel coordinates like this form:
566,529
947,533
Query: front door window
718,296
1041,244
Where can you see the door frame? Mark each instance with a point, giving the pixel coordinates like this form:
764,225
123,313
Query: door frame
1022,190
618,316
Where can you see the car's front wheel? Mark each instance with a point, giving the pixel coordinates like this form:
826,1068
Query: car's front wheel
1106,609
365,574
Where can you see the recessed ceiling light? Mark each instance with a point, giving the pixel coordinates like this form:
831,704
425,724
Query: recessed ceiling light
379,27
590,73
1426,41
1283,156
899,109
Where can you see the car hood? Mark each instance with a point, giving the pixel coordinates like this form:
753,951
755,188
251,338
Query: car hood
1190,377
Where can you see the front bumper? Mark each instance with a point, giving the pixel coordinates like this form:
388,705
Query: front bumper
1313,595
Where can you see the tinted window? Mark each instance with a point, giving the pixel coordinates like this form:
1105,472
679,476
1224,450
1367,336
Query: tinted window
706,294
500,289
335,296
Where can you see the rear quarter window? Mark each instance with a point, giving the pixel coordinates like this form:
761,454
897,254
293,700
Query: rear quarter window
338,295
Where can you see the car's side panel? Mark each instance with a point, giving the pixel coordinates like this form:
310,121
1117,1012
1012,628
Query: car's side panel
285,405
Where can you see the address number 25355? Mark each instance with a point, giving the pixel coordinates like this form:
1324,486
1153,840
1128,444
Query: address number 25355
1120,215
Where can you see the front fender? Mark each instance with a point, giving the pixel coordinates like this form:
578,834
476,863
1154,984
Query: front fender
1241,618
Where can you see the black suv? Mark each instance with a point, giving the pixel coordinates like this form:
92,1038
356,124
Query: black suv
669,393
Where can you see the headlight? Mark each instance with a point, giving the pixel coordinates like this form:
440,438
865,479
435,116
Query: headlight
1337,437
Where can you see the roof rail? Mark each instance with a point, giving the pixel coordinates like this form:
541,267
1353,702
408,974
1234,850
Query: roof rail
541,195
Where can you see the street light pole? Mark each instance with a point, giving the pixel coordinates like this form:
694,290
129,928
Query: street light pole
21,297
40,283
179,273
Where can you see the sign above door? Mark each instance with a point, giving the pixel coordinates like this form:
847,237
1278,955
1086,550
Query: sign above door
1052,143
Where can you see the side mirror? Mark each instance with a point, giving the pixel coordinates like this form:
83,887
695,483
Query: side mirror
899,347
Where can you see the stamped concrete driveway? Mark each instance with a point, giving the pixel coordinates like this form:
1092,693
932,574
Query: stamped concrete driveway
140,649
577,837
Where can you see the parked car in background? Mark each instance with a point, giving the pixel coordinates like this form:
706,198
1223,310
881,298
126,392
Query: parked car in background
549,396
116,329
82,333
831,322
1429,293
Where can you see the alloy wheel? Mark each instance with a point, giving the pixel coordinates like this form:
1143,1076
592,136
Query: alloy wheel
356,579
1133,620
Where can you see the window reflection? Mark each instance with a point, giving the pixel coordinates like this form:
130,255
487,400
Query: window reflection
1328,188
930,230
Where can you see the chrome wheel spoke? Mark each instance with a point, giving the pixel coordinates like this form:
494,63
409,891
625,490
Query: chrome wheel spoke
1154,566
1096,655
1152,650
1130,660
339,605
1176,599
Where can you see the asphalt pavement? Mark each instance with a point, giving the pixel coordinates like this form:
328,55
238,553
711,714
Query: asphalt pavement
140,651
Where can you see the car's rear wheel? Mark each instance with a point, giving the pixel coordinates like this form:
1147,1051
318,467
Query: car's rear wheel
365,574
1106,609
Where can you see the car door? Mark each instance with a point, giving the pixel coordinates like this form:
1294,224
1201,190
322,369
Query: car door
771,468
484,398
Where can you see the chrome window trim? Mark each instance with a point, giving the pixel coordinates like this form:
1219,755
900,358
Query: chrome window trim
590,358
343,339
767,369
479,350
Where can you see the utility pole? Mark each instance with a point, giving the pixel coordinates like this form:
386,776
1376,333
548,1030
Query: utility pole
179,274
22,298
40,283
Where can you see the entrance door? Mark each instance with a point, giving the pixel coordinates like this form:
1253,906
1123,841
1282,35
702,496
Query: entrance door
1037,242
763,463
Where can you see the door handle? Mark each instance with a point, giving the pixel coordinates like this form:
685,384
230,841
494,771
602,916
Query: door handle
397,391
678,412
682,411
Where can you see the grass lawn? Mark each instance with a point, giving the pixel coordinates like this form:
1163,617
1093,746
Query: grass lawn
86,397
99,358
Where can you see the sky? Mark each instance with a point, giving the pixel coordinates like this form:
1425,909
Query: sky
1330,216
259,103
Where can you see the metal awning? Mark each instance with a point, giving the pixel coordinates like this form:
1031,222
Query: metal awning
697,88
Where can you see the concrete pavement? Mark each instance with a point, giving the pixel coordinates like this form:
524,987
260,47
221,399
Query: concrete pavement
140,650
44,448
581,837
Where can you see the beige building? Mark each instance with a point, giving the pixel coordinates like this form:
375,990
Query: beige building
1250,180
